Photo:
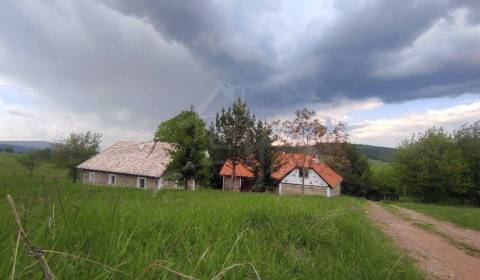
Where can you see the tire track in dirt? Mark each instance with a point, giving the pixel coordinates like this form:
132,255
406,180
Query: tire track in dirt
433,254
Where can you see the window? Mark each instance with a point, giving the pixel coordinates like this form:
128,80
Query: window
91,177
300,172
141,183
112,179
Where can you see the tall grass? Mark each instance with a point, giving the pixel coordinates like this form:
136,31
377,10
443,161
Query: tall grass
119,233
464,216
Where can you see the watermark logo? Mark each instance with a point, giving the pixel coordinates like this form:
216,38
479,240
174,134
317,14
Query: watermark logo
221,96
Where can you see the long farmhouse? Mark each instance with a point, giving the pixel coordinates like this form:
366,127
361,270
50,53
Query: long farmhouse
130,164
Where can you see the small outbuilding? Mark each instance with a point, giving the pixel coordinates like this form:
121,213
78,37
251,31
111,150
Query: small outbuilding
130,164
318,177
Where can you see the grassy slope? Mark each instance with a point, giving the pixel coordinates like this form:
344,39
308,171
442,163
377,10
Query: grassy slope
10,169
378,163
284,237
376,152
464,216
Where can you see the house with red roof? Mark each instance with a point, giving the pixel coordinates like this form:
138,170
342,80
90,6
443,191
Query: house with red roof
318,177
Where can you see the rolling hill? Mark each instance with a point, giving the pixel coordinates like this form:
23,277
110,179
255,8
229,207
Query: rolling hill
25,146
376,152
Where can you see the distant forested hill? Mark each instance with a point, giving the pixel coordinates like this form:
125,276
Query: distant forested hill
25,146
372,152
376,152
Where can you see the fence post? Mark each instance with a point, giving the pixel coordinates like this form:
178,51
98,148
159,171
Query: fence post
34,251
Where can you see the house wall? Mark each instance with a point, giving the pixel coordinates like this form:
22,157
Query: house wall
228,185
122,180
191,185
336,191
169,185
313,178
293,189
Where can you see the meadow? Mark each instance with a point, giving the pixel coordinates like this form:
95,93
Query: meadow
464,216
91,232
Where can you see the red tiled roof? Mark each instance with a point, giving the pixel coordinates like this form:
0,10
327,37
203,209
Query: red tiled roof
285,163
241,170
329,175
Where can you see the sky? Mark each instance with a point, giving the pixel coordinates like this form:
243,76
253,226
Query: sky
387,68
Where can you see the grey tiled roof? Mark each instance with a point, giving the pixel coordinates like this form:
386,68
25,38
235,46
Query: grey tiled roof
136,158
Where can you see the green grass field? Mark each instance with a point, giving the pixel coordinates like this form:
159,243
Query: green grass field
132,233
11,170
468,217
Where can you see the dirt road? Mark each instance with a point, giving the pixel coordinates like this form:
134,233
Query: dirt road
437,251
467,236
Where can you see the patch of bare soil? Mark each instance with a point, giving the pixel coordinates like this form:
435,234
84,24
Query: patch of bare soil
435,255
466,236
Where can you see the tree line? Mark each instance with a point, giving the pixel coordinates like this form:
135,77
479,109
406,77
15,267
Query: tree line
199,151
433,166
439,166
236,135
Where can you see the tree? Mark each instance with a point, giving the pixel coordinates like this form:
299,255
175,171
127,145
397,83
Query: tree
303,131
355,171
45,154
9,150
430,166
467,139
231,135
30,160
187,133
383,183
264,156
69,152
333,148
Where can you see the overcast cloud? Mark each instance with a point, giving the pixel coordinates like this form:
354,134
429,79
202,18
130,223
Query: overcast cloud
119,65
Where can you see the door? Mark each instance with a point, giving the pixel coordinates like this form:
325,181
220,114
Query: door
246,185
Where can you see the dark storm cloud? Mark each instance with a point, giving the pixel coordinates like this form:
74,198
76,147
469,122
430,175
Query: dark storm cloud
341,60
352,49
135,62
213,31
84,57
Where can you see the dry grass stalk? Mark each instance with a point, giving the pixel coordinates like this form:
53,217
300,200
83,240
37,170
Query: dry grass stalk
223,271
51,222
159,264
394,266
34,251
231,250
12,274
201,259
87,260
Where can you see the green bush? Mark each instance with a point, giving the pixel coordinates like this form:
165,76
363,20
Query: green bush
384,183
431,166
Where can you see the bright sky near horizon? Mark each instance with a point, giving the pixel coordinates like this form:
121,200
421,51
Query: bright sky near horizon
386,68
